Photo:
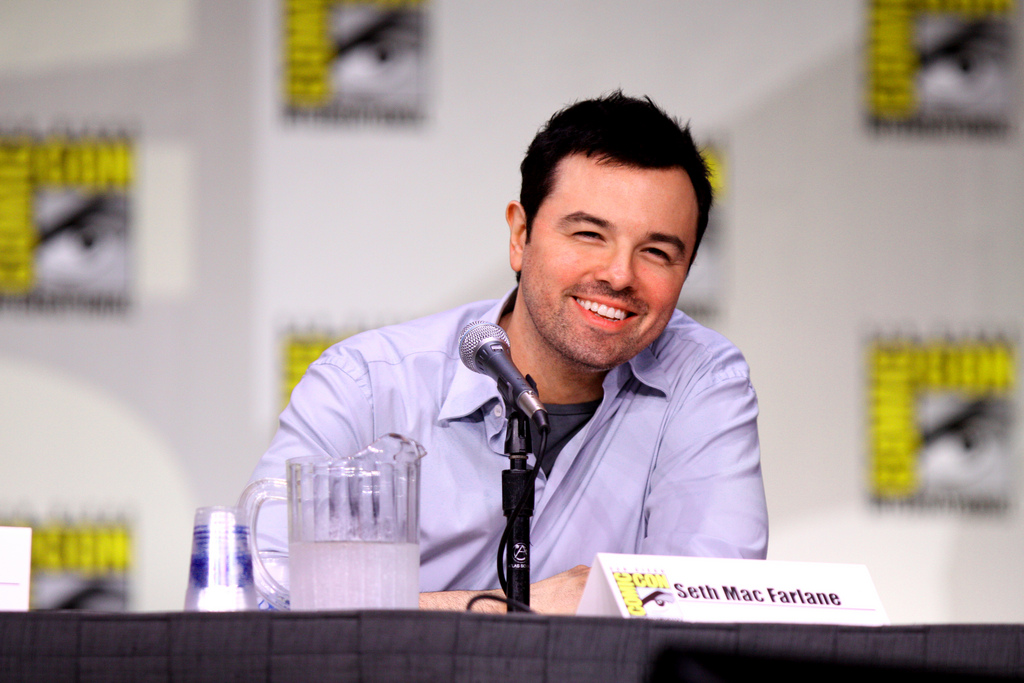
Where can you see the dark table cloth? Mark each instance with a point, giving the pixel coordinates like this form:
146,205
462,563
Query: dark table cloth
448,646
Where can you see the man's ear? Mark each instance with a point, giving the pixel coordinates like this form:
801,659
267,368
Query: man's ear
515,214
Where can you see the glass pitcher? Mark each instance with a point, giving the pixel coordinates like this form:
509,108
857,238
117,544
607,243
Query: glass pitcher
353,529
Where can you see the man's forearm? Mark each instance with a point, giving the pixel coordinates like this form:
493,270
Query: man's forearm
456,601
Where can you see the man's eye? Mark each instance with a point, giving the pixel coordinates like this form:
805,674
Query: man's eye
588,234
658,253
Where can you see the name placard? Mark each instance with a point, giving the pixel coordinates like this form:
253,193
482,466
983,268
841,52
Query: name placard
703,589
15,564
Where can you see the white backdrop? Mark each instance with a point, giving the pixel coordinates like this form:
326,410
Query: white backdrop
247,223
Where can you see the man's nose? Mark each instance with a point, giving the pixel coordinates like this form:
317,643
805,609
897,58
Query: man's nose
617,269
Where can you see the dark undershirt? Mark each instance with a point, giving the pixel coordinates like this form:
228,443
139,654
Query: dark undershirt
565,421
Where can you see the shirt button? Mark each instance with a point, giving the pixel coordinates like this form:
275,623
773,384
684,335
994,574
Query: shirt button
497,410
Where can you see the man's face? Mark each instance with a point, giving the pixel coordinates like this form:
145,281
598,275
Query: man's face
607,255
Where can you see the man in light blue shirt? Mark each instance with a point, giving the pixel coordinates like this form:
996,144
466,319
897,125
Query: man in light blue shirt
656,449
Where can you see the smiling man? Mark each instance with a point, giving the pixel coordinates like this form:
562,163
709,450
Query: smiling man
653,446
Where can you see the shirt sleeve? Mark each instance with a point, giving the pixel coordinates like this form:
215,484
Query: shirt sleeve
330,414
706,496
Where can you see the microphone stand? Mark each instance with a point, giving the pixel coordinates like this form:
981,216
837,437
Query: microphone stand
518,445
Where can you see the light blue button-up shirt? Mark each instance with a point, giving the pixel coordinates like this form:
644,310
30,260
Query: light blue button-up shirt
668,465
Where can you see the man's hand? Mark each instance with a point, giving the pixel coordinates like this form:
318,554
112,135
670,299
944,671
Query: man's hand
559,594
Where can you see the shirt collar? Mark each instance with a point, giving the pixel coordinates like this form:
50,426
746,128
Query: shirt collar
469,391
646,368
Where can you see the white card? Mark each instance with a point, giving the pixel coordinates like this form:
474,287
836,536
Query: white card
704,589
15,565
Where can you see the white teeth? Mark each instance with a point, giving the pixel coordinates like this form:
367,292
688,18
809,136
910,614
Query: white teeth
602,310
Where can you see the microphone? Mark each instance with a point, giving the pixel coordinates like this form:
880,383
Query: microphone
484,348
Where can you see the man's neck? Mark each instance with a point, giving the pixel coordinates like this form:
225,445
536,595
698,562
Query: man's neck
559,381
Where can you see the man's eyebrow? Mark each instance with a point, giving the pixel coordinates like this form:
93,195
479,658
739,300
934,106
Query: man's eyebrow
584,217
669,239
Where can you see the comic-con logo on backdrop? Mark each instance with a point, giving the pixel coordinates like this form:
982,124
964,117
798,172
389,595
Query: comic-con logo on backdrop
940,416
64,221
940,65
701,296
302,346
80,563
354,60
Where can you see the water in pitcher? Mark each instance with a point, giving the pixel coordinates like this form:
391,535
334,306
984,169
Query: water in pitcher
362,575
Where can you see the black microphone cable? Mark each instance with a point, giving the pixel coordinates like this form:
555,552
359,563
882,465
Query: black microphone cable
508,602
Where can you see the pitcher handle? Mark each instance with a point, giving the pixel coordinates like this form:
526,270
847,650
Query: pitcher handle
251,501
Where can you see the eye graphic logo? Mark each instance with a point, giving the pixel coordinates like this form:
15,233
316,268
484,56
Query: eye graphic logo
64,221
658,603
940,65
354,60
940,417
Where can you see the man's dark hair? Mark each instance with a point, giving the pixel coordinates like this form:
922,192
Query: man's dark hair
618,129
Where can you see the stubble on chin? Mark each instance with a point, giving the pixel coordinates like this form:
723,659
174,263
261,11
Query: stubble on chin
571,349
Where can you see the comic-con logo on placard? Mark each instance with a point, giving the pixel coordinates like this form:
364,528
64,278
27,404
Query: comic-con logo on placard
940,414
354,60
646,594
940,65
64,221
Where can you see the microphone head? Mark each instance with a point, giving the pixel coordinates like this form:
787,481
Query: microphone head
474,336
